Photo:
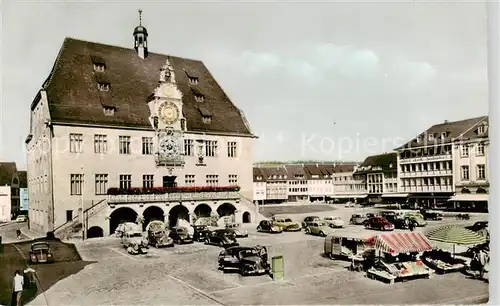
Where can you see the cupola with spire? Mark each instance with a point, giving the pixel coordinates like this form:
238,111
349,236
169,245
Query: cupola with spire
141,39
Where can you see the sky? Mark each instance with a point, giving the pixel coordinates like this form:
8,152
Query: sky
325,81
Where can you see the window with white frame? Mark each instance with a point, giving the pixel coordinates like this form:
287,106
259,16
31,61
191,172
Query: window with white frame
465,173
124,143
233,180
100,144
480,148
231,149
103,86
76,185
76,143
148,181
188,147
147,145
481,129
101,184
465,150
430,136
212,179
125,181
189,180
211,148
481,172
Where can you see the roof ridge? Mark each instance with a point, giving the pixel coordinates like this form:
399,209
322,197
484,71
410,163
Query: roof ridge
56,65
479,120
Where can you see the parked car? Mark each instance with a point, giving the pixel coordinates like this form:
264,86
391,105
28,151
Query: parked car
180,235
379,223
21,218
416,218
40,252
200,232
159,237
238,230
221,237
245,260
333,221
433,215
309,219
350,204
398,222
371,215
357,219
479,225
387,213
126,226
135,242
267,226
286,223
318,228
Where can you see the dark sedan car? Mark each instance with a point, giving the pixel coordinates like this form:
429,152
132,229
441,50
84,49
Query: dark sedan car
40,252
245,260
379,223
180,235
200,232
398,222
479,225
267,226
221,237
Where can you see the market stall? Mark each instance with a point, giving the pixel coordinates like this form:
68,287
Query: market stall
398,256
350,246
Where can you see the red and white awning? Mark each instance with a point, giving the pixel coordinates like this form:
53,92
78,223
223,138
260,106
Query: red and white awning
395,243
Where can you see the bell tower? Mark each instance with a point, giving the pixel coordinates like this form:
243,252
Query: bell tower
141,39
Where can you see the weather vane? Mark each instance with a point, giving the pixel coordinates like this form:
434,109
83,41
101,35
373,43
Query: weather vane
140,17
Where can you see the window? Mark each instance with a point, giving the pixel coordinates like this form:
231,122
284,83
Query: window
108,111
99,67
125,181
465,173
76,184
231,149
101,184
430,137
481,129
206,119
465,150
233,180
443,135
76,143
147,181
481,172
211,148
212,179
188,147
103,86
100,144
147,145
480,148
199,98
419,138
189,179
124,144
69,215
193,80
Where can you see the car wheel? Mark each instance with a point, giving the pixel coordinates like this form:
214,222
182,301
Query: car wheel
415,224
322,234
259,229
307,231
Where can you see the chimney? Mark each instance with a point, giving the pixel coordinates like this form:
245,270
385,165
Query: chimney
317,165
446,121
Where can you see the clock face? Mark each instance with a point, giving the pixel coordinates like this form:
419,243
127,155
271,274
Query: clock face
168,146
169,113
167,90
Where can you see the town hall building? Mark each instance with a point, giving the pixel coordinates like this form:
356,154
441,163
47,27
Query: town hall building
117,133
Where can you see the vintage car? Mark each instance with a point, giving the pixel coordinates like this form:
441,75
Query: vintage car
180,235
40,252
267,226
416,218
379,223
318,228
371,215
126,226
309,219
357,219
333,221
398,222
222,237
350,204
158,235
135,242
238,230
245,260
387,213
478,226
21,218
286,223
433,215
200,232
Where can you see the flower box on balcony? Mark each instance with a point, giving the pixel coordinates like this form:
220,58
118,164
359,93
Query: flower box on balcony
163,190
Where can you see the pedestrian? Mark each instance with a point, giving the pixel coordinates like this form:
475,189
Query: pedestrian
482,258
18,284
411,226
18,233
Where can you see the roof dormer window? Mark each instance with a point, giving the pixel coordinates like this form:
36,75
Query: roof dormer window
199,98
99,67
198,94
419,138
206,114
430,136
481,129
99,63
103,86
109,110
193,80
444,135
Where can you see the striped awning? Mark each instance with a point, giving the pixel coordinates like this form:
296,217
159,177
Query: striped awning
395,243
455,234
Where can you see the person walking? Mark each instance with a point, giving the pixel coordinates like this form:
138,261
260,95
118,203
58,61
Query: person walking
411,226
18,285
483,259
18,233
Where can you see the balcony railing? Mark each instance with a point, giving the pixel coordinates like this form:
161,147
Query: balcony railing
425,173
425,159
173,197
441,188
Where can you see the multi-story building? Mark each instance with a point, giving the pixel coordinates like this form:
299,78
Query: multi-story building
297,183
319,181
259,186
345,186
471,167
10,176
426,163
110,121
276,184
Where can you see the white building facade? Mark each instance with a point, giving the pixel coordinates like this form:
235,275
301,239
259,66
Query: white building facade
5,203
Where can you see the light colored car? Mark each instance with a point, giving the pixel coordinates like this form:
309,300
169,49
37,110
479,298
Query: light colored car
333,221
238,230
21,218
318,228
135,242
350,204
286,223
126,226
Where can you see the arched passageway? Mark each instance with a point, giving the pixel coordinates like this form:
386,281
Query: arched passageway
202,210
95,232
152,213
177,212
120,215
246,217
226,209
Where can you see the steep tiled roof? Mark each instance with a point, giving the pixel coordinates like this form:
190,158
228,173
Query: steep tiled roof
387,161
23,179
474,133
451,131
258,173
343,168
272,171
74,97
294,170
7,171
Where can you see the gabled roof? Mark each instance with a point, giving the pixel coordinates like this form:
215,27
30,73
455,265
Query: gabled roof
278,171
7,171
343,168
74,97
258,173
294,170
473,133
444,132
23,179
387,161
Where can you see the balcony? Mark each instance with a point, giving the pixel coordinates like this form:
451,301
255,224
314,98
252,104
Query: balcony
440,188
425,173
425,159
